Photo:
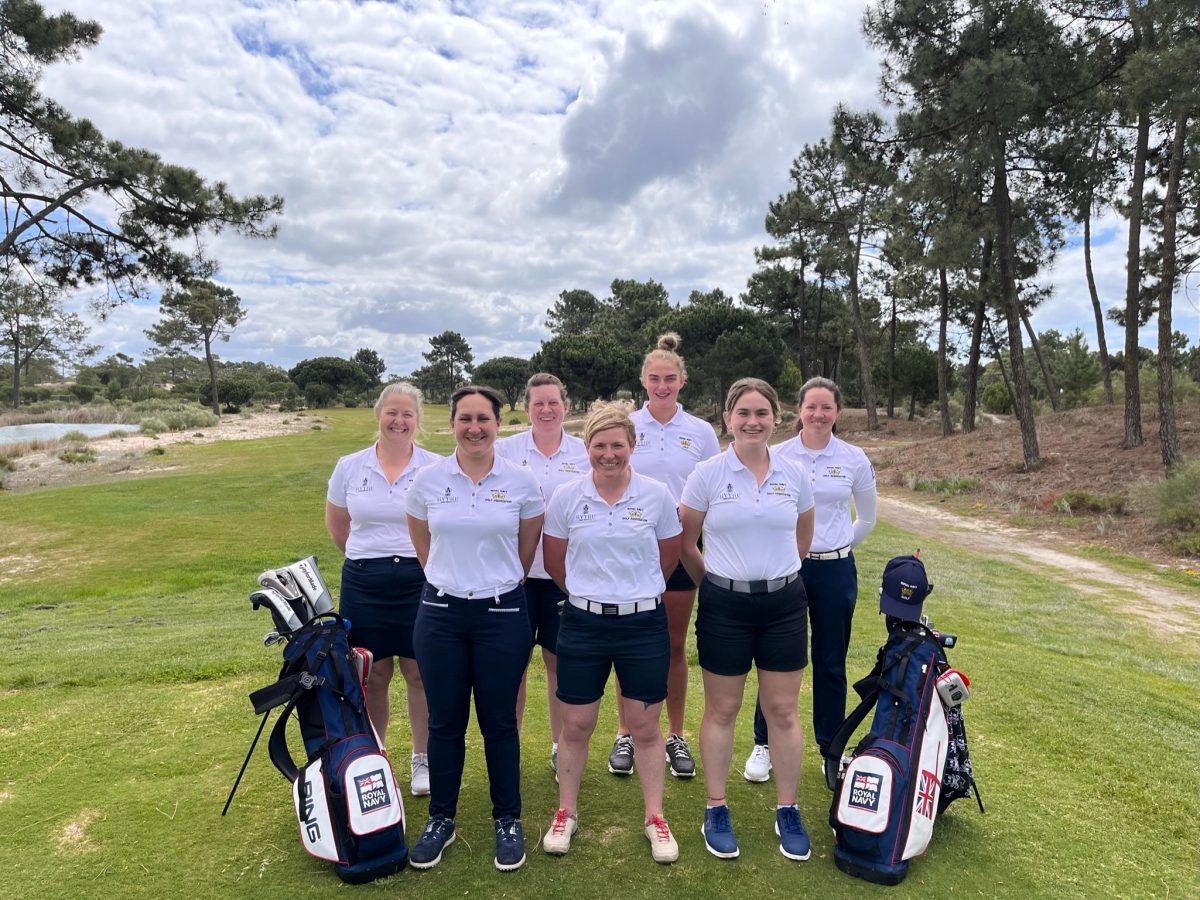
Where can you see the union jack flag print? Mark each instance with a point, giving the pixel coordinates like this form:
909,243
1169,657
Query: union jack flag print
927,794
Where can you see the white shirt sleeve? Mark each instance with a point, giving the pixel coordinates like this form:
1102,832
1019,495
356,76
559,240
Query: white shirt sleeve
556,514
414,500
534,503
695,491
668,524
336,493
864,494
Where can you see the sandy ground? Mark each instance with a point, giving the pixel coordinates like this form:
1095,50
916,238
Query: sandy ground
123,456
1174,609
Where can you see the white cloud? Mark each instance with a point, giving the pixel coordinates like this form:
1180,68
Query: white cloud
457,165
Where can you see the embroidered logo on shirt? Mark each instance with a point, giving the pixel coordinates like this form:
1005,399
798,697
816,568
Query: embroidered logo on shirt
729,493
365,487
498,495
586,515
569,467
634,514
778,487
685,442
833,471
448,497
641,441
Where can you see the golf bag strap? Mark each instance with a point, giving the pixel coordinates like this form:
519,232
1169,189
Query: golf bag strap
838,743
273,695
277,747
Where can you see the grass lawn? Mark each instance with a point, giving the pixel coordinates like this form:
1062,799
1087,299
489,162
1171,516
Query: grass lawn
132,647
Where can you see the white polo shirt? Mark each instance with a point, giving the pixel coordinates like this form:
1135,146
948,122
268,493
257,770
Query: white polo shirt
669,452
473,527
378,524
568,462
749,529
838,473
612,551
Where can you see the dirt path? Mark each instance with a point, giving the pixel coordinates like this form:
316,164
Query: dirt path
1174,609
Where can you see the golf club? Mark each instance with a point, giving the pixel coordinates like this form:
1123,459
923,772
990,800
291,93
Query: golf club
282,581
281,611
312,585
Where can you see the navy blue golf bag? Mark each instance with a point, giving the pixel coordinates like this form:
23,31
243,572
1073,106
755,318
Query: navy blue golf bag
909,767
349,807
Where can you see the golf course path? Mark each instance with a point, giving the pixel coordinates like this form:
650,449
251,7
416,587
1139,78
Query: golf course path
1165,606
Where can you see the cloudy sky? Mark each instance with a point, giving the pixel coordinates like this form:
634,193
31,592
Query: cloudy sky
455,165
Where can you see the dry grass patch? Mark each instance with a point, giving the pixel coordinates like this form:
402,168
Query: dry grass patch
73,837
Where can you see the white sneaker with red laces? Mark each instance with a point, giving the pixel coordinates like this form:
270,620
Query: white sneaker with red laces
662,843
558,838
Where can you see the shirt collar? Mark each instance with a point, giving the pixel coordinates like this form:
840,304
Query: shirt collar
456,469
631,489
671,421
737,465
531,444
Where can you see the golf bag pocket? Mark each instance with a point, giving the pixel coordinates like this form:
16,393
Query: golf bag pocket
865,801
372,798
311,799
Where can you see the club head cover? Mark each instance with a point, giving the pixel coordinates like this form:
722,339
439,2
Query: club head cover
280,580
308,579
286,620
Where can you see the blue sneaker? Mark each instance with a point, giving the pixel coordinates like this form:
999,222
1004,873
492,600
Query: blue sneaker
717,831
510,844
793,839
437,835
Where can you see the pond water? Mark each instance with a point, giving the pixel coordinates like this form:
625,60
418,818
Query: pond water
49,431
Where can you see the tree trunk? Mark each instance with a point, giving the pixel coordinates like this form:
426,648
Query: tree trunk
1002,205
912,405
1101,343
971,388
212,374
1133,280
801,360
816,351
1168,435
16,394
942,375
860,331
1051,387
891,407
998,354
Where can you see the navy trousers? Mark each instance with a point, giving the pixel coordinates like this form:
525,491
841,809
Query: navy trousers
473,646
832,587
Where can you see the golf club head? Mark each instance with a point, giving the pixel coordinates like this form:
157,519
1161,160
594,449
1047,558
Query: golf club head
271,638
286,620
280,580
308,579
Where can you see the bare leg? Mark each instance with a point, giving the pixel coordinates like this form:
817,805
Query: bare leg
553,704
722,700
378,706
777,692
578,723
418,708
649,751
679,616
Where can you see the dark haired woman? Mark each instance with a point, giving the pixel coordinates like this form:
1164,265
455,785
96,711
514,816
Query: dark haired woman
475,520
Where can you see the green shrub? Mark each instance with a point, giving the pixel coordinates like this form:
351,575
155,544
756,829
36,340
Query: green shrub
78,455
996,399
82,392
75,436
1187,544
1083,501
955,484
153,425
515,420
6,464
1175,501
157,451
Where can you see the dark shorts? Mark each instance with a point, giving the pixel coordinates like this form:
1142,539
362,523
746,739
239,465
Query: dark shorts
545,602
380,598
680,580
735,630
590,646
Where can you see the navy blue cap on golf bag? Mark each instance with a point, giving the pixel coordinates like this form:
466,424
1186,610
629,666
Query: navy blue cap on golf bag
905,587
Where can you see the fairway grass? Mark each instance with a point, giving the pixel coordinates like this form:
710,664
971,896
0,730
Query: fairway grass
132,647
